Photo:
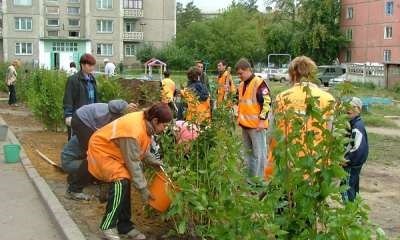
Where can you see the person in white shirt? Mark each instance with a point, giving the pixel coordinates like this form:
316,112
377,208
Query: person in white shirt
72,69
109,68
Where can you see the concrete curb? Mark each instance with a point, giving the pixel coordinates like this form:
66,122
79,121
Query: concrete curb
64,222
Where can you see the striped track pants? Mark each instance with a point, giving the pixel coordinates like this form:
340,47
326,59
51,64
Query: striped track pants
118,209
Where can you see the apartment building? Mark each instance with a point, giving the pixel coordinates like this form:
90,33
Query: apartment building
373,27
53,33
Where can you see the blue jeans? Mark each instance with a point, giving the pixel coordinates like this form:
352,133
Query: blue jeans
255,151
71,155
353,182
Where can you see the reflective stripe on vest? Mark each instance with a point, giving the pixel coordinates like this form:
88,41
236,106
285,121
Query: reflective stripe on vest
249,108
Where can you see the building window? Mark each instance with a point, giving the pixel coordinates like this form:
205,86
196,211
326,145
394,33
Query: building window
23,24
23,2
130,50
104,49
22,48
349,34
388,32
52,33
65,46
53,22
104,4
52,10
389,8
73,10
349,14
104,26
74,22
130,26
348,55
73,1
133,4
387,55
73,33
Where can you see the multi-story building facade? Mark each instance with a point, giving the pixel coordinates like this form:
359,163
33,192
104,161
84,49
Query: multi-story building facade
373,27
53,33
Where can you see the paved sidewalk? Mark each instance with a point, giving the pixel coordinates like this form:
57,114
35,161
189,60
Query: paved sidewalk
23,213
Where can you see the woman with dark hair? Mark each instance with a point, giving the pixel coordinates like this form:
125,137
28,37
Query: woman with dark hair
197,98
80,89
115,154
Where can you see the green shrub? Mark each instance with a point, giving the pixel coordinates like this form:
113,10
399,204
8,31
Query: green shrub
396,88
303,198
214,200
110,89
45,97
367,85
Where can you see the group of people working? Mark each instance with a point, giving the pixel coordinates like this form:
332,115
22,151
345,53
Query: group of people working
113,142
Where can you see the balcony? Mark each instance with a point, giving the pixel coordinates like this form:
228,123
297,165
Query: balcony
133,13
133,36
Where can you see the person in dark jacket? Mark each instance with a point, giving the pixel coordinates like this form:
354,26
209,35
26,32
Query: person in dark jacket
357,150
203,75
80,89
197,98
85,121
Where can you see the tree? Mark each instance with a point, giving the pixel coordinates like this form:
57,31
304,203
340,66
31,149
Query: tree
230,36
186,15
248,4
312,27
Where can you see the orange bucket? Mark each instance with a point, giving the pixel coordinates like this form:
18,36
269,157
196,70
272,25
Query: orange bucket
159,188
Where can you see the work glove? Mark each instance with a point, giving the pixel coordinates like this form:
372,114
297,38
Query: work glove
146,195
68,121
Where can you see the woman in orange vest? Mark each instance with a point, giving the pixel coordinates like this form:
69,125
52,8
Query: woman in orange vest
197,97
115,155
301,71
253,109
225,85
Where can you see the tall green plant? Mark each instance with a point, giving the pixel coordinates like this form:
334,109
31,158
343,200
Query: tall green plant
110,89
45,97
214,200
303,199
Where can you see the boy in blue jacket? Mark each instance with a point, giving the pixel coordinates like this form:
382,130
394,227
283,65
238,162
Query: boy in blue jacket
357,150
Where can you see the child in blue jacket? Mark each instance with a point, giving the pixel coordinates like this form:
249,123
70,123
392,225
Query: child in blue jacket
357,150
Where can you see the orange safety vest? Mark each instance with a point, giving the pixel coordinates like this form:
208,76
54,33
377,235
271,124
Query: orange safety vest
197,112
105,160
224,81
249,109
294,98
167,90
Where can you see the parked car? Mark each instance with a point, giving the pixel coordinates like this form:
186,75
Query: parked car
337,80
326,73
263,75
267,73
282,75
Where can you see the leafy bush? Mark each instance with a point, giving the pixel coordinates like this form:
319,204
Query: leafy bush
304,194
214,200
396,89
146,52
367,85
110,89
45,97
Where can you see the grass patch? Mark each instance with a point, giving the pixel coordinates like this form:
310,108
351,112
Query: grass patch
376,116
375,120
384,149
